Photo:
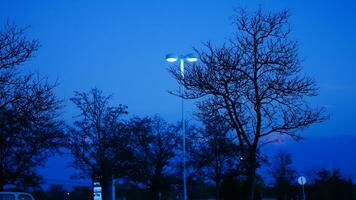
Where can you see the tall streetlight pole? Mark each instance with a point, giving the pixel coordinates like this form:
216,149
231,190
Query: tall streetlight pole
190,58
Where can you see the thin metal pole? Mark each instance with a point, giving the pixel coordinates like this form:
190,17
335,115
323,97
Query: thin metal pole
113,187
303,192
183,131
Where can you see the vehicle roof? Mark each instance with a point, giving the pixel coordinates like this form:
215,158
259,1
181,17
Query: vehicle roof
11,192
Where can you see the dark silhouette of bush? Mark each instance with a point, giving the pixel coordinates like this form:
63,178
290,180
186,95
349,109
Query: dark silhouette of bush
235,187
331,185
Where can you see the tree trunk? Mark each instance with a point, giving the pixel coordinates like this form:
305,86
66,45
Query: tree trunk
2,181
154,191
217,178
2,184
251,181
217,190
106,188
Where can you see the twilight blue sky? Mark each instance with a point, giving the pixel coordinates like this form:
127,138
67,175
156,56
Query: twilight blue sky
119,47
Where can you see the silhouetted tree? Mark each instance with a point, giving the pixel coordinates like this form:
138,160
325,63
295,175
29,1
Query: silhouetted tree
330,184
154,145
58,192
284,175
214,153
30,130
97,140
39,194
254,80
80,193
15,47
234,186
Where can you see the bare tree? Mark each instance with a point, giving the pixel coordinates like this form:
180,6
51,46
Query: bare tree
15,47
214,153
97,140
154,145
254,80
284,175
30,129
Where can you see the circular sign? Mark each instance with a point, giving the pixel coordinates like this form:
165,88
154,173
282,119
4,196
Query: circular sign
302,180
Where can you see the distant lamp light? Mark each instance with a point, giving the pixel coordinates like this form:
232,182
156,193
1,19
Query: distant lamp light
171,57
191,57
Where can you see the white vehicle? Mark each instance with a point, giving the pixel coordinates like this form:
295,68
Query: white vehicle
15,196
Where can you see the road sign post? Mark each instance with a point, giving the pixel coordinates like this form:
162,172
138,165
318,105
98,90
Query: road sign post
302,180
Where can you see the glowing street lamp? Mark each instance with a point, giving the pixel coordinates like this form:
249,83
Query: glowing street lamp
171,57
189,58
174,58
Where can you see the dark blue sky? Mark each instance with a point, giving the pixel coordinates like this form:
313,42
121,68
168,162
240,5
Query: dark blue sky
119,47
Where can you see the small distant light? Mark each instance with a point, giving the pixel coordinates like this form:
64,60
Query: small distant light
241,158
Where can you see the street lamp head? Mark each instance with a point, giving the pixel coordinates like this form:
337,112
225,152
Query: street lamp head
171,57
191,57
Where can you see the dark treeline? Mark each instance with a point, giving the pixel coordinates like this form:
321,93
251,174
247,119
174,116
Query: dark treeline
249,90
145,152
322,184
